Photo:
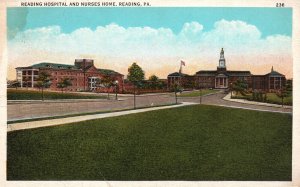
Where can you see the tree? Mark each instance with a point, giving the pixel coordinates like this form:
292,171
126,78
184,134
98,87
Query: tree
162,84
289,85
239,86
64,83
154,82
135,75
26,80
43,81
282,93
107,81
231,89
16,84
176,88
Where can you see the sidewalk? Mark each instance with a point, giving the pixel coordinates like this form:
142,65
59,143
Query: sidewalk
227,98
102,93
61,101
54,122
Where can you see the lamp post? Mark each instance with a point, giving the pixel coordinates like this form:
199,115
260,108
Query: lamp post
116,86
200,93
231,90
200,90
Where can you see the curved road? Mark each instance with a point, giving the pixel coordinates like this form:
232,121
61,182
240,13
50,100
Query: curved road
36,109
217,99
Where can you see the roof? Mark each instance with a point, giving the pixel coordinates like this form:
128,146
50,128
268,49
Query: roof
207,71
228,73
274,73
239,73
52,65
177,74
108,72
66,66
87,67
222,75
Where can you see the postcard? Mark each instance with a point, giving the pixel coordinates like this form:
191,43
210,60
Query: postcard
150,93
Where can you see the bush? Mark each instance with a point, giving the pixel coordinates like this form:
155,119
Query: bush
265,97
260,96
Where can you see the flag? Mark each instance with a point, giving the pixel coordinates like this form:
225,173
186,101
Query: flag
182,63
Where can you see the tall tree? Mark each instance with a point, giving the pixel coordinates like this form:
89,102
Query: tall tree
154,81
43,81
107,81
176,88
239,86
64,83
135,75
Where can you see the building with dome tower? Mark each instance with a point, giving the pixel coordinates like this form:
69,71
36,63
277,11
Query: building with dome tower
221,78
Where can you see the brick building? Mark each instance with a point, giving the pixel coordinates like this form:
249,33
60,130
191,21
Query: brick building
184,80
83,74
221,78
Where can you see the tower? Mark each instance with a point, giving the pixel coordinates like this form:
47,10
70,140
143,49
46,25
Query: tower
222,61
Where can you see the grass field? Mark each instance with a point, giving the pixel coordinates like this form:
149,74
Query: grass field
271,98
13,94
197,93
187,143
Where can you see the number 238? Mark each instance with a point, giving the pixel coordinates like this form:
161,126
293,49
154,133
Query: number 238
279,4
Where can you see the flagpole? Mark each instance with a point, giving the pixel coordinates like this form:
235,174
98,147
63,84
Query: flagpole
180,69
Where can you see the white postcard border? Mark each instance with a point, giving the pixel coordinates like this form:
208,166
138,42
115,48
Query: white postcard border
166,3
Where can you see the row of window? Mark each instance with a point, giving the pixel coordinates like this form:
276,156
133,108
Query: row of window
275,78
205,78
70,73
30,72
67,73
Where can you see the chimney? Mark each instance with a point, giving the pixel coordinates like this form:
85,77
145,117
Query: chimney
83,63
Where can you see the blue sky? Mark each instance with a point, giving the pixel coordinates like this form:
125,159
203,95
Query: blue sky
157,39
268,20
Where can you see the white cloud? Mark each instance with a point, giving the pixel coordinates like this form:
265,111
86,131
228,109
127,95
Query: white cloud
112,40
232,34
150,45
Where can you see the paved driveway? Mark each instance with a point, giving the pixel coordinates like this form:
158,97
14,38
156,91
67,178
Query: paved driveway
217,99
38,109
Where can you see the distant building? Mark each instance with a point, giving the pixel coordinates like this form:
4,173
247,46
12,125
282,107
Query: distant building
222,78
83,74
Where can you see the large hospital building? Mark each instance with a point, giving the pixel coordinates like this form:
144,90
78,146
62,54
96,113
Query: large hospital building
83,75
221,78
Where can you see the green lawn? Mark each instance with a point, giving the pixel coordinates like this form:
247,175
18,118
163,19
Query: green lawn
187,143
271,98
13,94
197,93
